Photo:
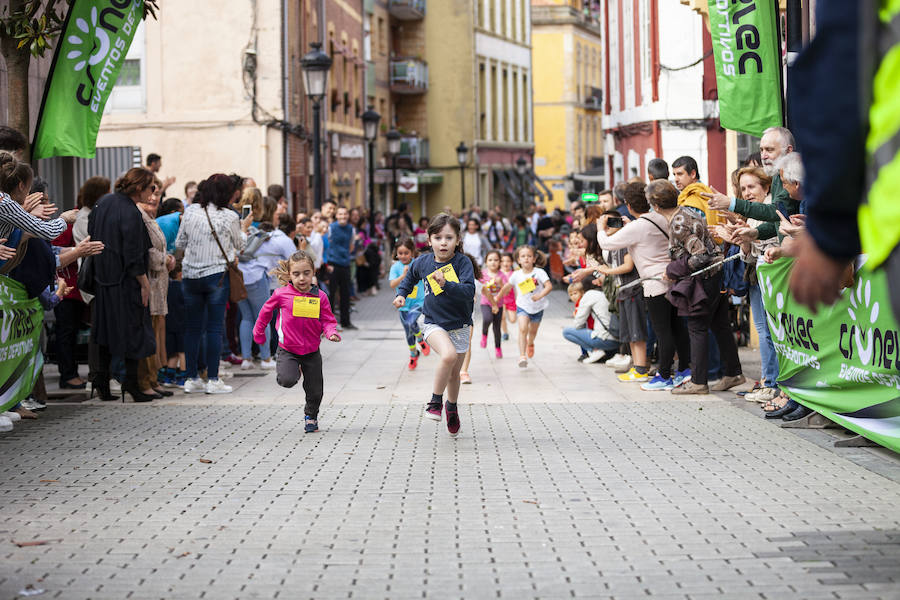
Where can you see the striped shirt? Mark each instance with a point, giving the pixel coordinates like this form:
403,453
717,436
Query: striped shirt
202,256
13,216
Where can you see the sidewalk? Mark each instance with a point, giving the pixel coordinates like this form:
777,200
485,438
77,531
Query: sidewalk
562,483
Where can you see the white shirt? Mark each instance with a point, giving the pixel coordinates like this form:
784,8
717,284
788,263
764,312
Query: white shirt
524,299
316,247
473,246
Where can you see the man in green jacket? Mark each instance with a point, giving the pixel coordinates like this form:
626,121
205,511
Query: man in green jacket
775,143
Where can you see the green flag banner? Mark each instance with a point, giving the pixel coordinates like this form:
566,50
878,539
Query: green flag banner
88,58
843,362
21,320
748,64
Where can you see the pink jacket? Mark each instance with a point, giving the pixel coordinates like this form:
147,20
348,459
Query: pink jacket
300,335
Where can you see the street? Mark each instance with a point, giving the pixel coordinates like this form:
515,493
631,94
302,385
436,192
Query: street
563,483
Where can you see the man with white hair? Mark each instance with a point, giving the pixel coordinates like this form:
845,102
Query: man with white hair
790,170
776,142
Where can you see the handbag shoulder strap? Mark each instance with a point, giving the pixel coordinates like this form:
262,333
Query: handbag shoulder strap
661,230
215,237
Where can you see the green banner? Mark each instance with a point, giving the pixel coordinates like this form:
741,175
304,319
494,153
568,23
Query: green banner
89,56
747,49
21,361
843,362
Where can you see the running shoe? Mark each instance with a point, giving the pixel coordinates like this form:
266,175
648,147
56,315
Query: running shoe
594,356
425,348
681,377
464,377
452,418
499,353
217,386
523,362
194,385
505,337
413,361
433,410
246,365
633,376
310,425
267,364
232,359
658,383
582,357
484,341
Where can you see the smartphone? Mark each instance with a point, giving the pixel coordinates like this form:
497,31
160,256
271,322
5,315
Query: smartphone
615,222
245,211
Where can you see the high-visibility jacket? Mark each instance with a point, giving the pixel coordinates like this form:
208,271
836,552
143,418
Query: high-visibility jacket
879,214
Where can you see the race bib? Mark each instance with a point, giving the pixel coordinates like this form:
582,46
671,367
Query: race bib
449,275
305,306
527,286
414,293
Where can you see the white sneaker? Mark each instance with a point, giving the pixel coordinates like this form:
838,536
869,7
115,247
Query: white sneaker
194,385
763,394
267,364
226,374
624,365
246,365
115,387
217,386
12,416
30,403
6,424
617,360
594,356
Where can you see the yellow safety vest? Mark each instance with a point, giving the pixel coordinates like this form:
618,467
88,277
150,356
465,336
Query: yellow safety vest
879,215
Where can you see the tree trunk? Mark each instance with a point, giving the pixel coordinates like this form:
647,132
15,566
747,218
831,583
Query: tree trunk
17,62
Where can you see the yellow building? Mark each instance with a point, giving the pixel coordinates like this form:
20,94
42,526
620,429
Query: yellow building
567,55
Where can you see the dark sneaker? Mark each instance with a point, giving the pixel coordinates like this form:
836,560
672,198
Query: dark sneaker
452,418
311,425
433,410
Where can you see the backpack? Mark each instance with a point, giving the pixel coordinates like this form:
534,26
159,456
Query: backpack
255,239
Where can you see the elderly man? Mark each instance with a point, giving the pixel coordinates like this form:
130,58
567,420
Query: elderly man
776,142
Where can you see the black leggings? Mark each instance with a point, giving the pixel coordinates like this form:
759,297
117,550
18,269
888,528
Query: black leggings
671,334
488,318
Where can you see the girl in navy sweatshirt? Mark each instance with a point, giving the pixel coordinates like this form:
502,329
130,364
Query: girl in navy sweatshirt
447,311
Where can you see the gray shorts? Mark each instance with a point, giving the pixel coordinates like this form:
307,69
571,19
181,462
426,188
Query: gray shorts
459,337
632,319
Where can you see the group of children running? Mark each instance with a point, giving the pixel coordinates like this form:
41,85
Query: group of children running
436,295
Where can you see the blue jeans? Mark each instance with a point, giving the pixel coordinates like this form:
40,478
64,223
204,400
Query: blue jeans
257,294
766,348
583,338
204,305
408,319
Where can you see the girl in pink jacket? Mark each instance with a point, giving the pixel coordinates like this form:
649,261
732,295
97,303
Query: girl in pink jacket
304,316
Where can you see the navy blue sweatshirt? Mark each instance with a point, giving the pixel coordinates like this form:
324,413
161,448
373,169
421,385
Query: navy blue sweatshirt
453,308
339,239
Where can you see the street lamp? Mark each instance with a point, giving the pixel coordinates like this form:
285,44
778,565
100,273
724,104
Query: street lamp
315,65
522,170
393,148
370,120
462,156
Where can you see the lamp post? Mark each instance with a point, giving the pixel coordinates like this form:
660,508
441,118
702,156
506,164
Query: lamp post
393,148
522,170
462,156
315,65
370,120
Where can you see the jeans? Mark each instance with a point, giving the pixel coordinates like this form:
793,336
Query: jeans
257,294
766,346
583,338
204,305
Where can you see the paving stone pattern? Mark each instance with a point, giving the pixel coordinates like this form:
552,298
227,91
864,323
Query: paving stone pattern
563,483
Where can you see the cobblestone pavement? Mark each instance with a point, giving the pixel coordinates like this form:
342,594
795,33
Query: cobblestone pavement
563,483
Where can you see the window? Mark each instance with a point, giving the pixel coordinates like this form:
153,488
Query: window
614,54
382,36
646,55
578,82
628,41
129,93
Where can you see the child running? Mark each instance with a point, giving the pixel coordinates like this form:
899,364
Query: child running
446,320
404,254
493,279
304,315
509,301
531,285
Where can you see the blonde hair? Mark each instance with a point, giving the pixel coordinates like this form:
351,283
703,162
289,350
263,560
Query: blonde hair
283,271
254,198
540,259
757,172
575,286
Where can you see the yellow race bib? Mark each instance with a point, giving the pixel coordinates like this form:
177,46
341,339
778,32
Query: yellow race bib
414,294
527,286
449,275
307,307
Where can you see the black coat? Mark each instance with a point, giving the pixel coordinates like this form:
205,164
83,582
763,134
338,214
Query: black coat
121,322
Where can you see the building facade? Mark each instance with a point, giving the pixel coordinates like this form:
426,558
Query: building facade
568,97
239,104
660,88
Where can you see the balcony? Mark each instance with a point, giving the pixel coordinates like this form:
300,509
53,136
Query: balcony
407,10
409,76
593,98
413,153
